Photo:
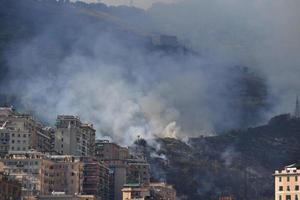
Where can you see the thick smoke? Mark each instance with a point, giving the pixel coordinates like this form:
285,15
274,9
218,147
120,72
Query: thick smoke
113,77
264,35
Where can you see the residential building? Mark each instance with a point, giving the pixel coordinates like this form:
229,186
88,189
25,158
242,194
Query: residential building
138,171
10,189
33,170
287,183
135,192
95,178
67,174
21,132
109,152
74,137
163,191
115,157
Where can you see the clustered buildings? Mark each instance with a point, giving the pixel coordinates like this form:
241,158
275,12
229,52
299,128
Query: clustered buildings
68,163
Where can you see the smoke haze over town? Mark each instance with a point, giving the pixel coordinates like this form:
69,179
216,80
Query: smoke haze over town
113,80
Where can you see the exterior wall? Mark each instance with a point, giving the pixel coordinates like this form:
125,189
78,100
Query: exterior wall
119,178
95,178
287,183
73,137
9,188
34,171
20,132
68,174
138,172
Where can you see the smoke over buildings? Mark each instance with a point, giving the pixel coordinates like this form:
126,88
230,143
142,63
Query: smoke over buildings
85,64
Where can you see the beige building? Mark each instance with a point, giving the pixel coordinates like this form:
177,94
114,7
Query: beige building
135,192
33,170
74,137
287,182
42,174
67,174
20,133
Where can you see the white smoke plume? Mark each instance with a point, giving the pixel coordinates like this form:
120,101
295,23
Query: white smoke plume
111,80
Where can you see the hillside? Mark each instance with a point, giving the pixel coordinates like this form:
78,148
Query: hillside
239,163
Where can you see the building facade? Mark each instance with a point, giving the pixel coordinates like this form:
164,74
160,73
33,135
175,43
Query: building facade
95,178
33,170
287,183
74,137
138,171
10,189
67,174
21,133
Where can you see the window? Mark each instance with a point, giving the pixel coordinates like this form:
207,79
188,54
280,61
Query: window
13,141
280,188
19,135
280,179
296,197
297,187
288,179
280,198
24,135
296,178
288,188
288,197
12,135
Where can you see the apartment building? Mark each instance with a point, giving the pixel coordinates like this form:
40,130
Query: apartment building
95,178
115,157
109,152
21,132
67,174
138,171
74,137
287,183
33,170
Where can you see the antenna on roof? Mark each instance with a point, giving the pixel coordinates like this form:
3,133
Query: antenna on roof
297,109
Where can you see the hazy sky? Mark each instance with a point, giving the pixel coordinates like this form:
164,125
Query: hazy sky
138,3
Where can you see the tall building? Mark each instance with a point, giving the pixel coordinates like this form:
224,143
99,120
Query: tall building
138,171
287,182
114,156
34,170
74,137
67,174
95,178
20,133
